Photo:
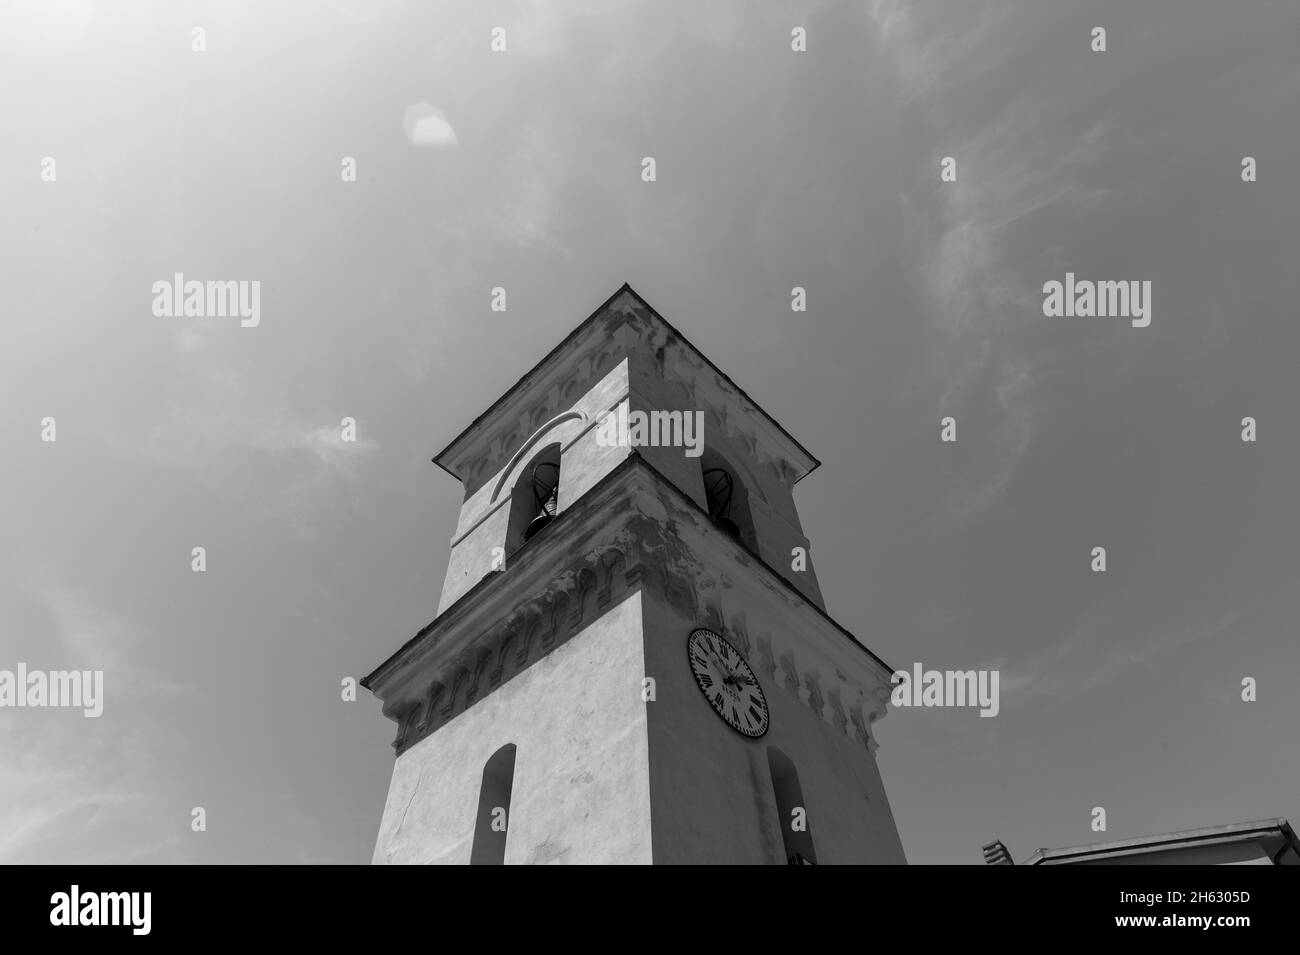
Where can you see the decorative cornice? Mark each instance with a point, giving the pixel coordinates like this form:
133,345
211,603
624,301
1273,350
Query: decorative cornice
513,643
574,570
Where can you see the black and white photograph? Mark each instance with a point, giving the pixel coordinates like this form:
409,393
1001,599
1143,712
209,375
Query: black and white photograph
651,432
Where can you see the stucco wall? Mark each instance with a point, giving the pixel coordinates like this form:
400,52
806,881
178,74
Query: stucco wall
581,793
655,381
711,788
485,514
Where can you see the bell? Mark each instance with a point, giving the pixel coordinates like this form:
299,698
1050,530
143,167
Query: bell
536,524
546,486
549,504
717,490
546,494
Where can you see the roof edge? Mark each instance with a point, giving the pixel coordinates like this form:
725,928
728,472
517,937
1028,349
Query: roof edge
440,458
1189,837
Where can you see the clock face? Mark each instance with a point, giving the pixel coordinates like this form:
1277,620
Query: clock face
728,683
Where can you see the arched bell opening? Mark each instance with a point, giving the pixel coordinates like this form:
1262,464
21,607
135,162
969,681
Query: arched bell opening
534,501
727,499
719,492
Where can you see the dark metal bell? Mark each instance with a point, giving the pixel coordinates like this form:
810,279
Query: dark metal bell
727,525
717,490
536,524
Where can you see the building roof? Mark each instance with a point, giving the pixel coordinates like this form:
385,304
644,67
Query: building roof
443,457
1173,841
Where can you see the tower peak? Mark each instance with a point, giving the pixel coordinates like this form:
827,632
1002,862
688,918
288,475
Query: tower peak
631,659
533,395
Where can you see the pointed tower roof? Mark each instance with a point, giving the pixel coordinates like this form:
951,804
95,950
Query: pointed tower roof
614,312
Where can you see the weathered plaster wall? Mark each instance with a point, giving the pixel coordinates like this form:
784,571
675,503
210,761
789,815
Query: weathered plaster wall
485,515
671,377
581,792
629,357
631,571
711,788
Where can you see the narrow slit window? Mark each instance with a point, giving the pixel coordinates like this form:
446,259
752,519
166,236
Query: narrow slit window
493,820
792,813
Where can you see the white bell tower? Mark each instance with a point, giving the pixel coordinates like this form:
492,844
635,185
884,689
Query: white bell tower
558,708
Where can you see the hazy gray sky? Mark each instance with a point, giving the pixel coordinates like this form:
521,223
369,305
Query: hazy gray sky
775,169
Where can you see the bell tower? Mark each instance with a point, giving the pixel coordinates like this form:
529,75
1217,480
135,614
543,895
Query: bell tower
631,660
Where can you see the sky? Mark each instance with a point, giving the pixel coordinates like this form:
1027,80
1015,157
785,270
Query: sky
521,169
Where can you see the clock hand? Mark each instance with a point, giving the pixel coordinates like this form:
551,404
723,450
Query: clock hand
731,678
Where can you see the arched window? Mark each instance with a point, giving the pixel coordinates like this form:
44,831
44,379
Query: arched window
535,498
727,499
494,808
792,814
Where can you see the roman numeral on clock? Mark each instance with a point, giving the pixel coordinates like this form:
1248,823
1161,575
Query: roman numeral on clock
727,682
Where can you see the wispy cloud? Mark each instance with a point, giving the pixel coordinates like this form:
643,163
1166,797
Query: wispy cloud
983,368
91,637
236,436
926,43
426,125
70,789
1085,660
324,444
